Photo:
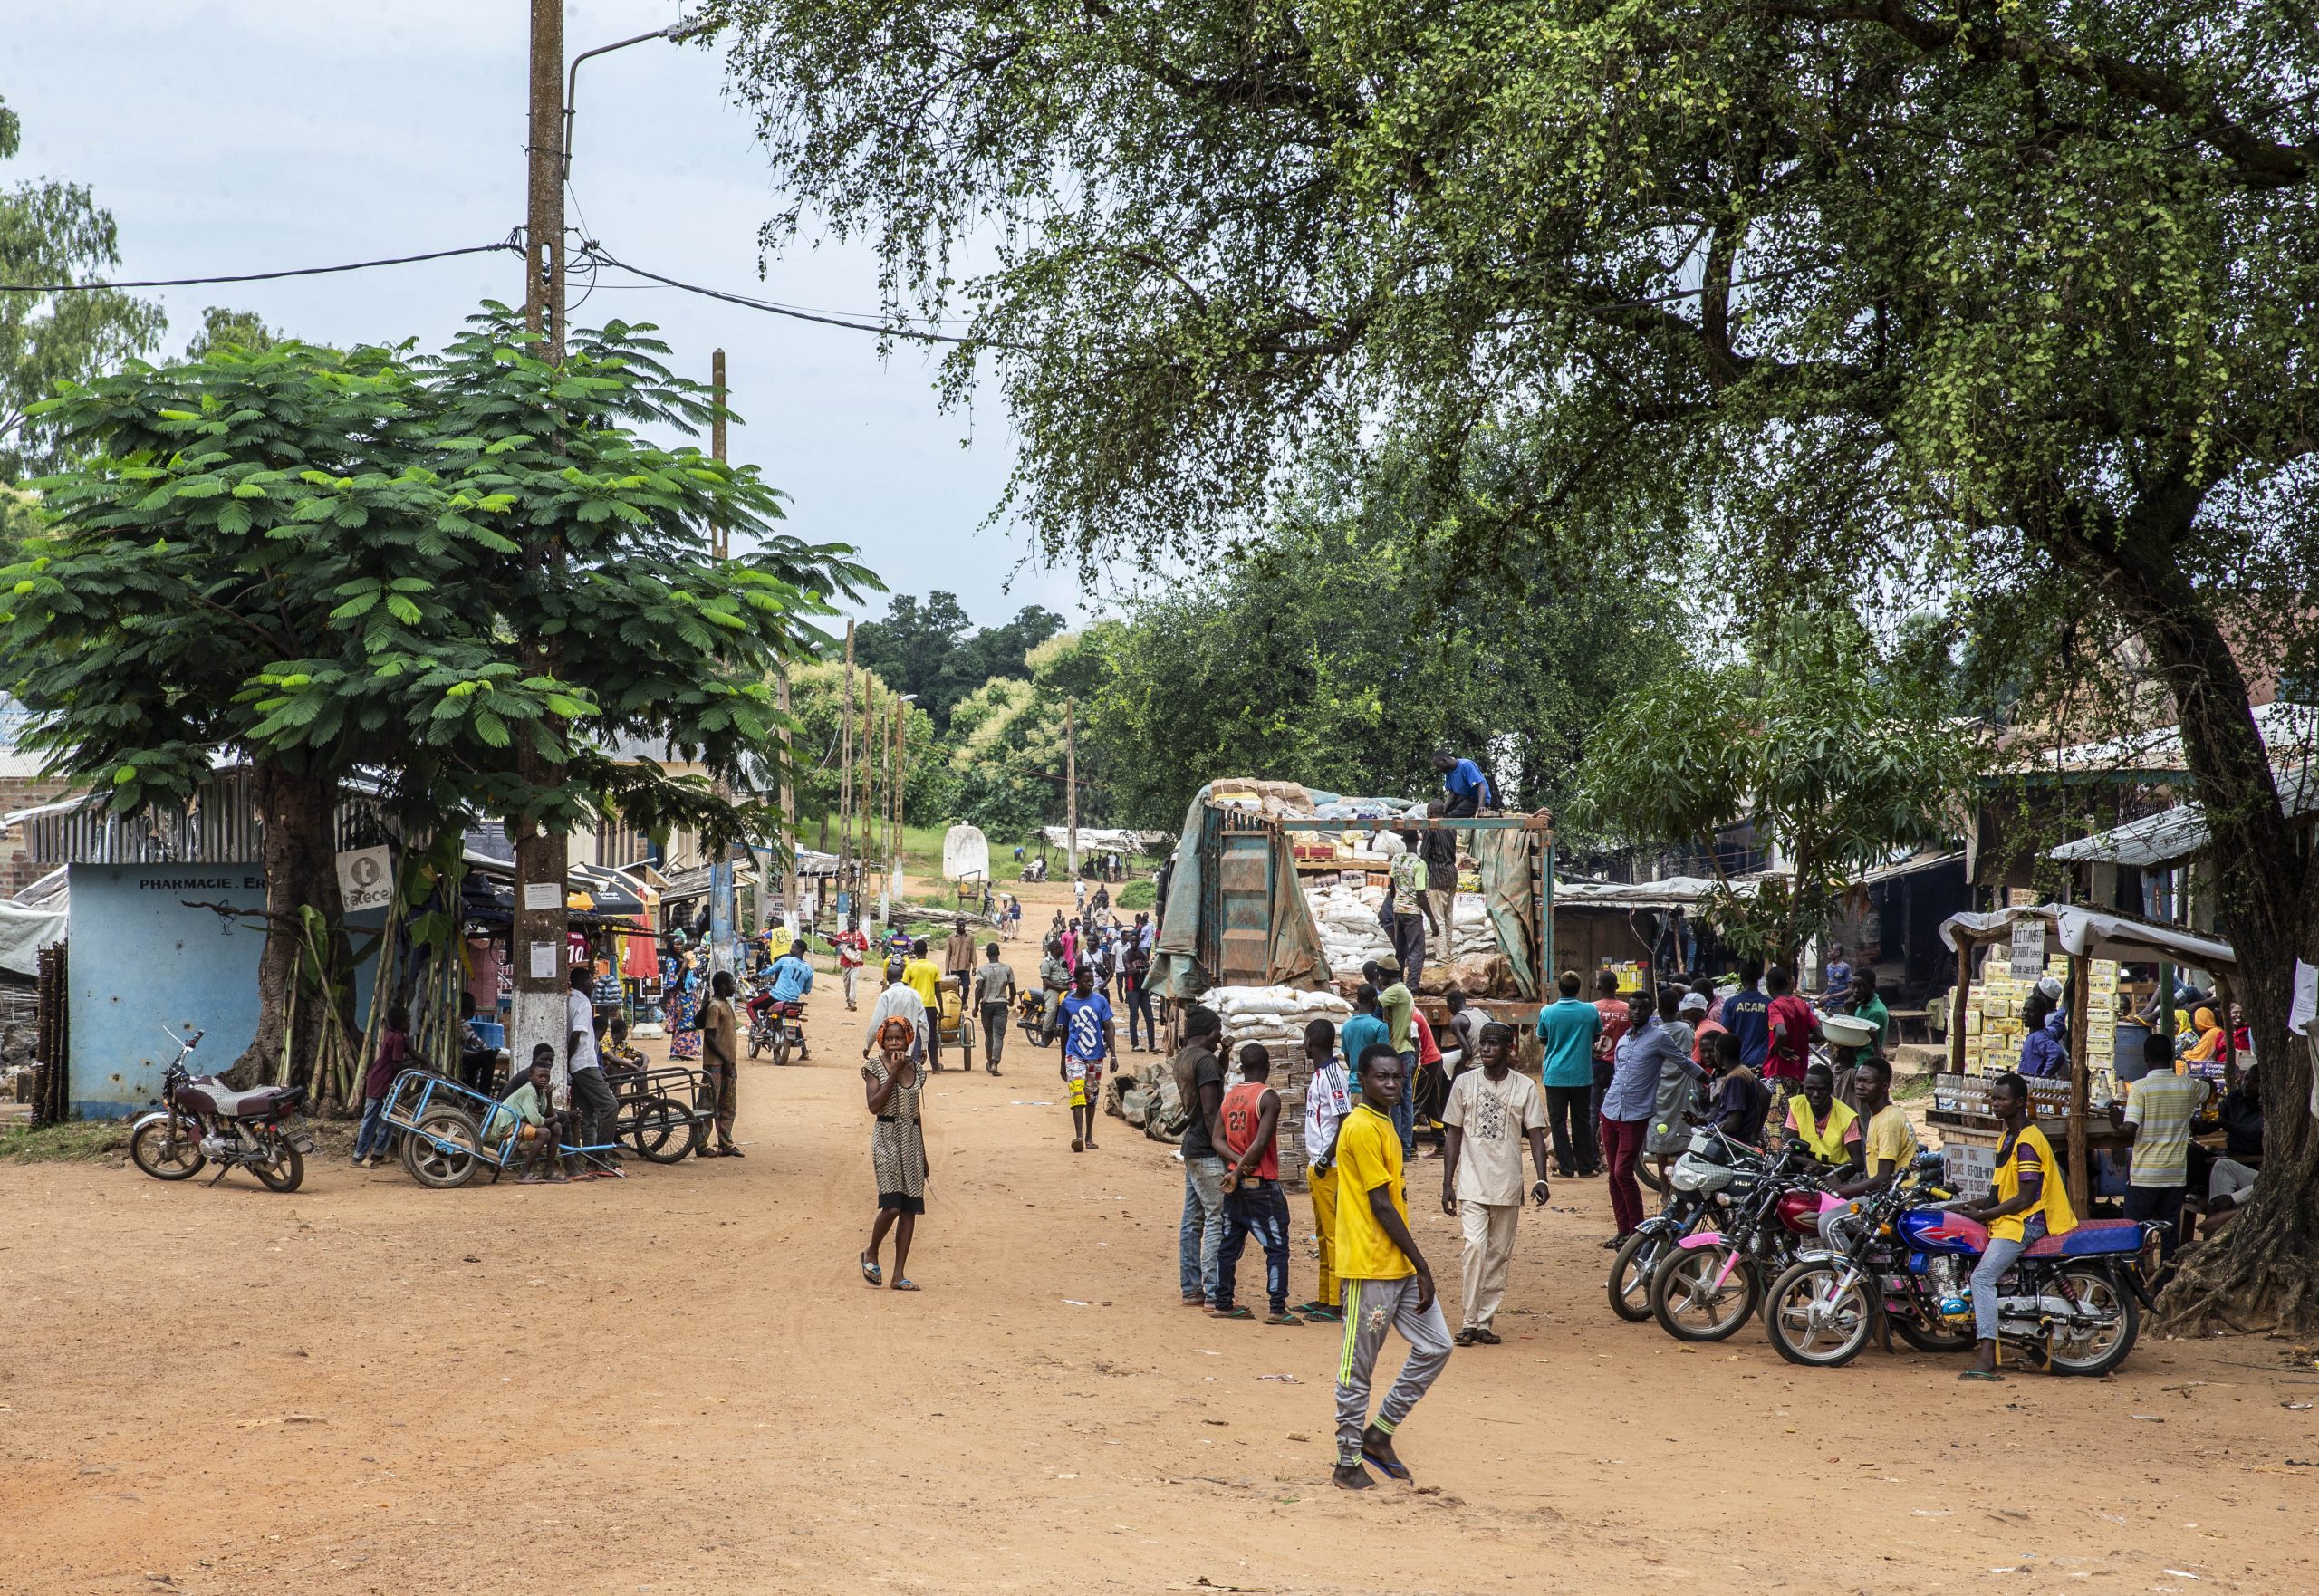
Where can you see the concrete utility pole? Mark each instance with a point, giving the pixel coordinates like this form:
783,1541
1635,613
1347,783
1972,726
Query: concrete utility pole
723,928
537,941
1070,788
901,777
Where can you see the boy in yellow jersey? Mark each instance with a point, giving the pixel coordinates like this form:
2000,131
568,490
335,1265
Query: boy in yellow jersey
923,976
2027,1200
1387,1285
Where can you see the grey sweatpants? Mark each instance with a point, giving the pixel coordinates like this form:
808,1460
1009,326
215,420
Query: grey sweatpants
1371,1308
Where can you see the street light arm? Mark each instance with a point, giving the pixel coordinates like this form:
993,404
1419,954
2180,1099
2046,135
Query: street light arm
673,33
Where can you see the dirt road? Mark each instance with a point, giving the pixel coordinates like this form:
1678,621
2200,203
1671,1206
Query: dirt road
680,1383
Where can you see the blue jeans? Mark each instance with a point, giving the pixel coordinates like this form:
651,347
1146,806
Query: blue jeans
2001,1256
1201,1235
1257,1208
371,1136
1405,1111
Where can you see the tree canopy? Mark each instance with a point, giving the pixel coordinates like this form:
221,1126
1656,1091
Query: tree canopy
55,231
317,560
927,648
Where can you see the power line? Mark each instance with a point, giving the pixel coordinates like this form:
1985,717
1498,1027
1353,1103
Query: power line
507,244
770,307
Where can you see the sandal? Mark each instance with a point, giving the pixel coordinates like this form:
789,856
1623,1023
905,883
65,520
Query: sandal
1075,1145
1980,1374
1488,1338
871,1272
1464,1338
905,1284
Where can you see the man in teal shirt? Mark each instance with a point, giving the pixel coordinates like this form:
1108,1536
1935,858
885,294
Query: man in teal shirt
1398,1007
1568,1028
1867,1005
1367,1028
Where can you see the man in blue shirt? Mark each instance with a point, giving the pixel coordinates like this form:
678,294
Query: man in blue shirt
1089,1040
1469,789
1648,1049
1747,1015
1367,1028
787,980
1568,1028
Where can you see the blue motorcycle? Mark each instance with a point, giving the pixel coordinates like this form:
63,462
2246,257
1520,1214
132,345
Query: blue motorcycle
2072,1305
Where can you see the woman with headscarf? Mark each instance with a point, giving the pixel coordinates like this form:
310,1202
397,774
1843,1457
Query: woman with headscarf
891,1083
2213,1041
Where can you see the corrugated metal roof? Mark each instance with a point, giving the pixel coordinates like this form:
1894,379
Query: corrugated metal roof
2172,835
2290,731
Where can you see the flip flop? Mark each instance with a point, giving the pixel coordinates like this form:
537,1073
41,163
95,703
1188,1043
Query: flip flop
1980,1374
871,1272
1360,1482
1237,1311
905,1284
1399,1471
1075,1145
1322,1316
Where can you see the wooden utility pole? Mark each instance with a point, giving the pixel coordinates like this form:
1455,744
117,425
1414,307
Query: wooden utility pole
901,772
846,882
1070,788
537,940
719,537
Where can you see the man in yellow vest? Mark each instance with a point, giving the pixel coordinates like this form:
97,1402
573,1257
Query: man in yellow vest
2028,1201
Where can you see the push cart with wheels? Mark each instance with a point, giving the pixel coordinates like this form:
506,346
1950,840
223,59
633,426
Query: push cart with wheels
952,1024
452,1132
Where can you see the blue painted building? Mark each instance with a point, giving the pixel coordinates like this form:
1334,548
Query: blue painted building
142,960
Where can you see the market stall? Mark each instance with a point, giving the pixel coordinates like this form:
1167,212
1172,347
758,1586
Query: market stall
2090,947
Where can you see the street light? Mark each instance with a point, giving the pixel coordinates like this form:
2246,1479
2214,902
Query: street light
674,33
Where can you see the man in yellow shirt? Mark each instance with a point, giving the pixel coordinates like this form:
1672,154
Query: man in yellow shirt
922,975
2027,1200
1387,1284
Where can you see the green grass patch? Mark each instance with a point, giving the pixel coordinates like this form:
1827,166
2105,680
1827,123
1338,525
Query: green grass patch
75,1141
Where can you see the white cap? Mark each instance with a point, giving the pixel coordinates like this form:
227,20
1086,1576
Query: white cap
2051,987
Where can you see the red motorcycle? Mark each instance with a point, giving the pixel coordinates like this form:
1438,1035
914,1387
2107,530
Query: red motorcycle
202,1120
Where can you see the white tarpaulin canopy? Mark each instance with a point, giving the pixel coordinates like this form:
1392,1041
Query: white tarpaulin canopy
1102,839
965,852
2089,933
25,930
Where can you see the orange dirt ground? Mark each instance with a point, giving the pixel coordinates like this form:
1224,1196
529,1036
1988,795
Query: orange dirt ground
678,1383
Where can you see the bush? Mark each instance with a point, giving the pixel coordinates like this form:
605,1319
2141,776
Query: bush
1137,895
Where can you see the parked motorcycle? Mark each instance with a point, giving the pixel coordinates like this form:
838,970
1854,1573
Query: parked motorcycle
2070,1305
1706,1289
201,1120
1702,1179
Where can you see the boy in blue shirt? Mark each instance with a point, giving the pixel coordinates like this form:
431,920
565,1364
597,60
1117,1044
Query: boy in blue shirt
1089,1037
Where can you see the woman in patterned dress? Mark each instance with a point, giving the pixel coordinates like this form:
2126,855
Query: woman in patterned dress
684,1041
890,1082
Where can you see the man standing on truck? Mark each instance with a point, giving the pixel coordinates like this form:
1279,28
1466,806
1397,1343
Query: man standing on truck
1469,789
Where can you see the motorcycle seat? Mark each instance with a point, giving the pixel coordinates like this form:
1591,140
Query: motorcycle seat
2092,1236
258,1102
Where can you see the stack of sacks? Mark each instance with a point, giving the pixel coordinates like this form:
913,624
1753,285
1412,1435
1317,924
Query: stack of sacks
1351,936
1276,1017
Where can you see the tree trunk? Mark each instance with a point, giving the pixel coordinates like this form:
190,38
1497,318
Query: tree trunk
2264,1270
300,851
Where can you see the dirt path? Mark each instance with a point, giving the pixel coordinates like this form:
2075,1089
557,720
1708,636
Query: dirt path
680,1384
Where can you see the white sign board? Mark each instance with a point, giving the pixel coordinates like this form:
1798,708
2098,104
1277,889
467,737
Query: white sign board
544,961
366,879
543,895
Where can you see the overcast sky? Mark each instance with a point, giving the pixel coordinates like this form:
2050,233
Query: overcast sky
249,135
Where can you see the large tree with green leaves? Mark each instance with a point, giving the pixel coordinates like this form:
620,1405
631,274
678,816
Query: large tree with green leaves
2012,300
931,649
1834,761
317,563
55,233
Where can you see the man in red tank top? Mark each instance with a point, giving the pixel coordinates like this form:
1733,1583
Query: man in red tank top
1253,1204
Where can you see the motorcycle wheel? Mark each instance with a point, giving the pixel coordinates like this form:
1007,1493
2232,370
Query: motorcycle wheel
2099,1353
781,1048
1688,1305
1631,1268
1846,1321
663,1130
757,1043
165,1155
286,1173
441,1169
1647,1171
1931,1340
